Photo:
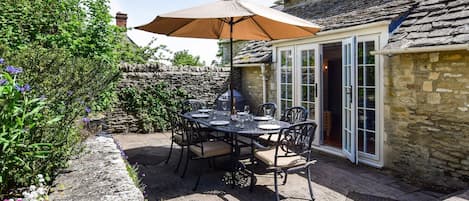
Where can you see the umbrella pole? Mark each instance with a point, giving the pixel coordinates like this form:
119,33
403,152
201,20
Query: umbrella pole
232,100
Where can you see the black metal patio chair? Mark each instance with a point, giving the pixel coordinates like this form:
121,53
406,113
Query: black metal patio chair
291,115
202,147
191,105
262,108
178,135
292,153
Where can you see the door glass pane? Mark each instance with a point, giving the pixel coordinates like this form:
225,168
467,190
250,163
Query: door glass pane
308,81
370,142
370,75
370,98
360,53
360,140
370,46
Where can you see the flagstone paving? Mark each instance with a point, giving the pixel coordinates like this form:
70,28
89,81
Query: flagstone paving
334,179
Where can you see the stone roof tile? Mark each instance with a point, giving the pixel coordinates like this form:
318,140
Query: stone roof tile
254,52
336,14
432,23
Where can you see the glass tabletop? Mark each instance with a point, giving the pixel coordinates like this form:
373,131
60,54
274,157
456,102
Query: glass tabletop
243,124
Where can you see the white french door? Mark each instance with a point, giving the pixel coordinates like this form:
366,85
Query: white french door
299,75
308,71
349,66
286,82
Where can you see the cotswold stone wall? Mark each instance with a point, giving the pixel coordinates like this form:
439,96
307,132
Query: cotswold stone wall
204,83
251,79
427,117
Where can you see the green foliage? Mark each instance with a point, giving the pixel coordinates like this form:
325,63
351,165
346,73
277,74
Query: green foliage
132,170
80,26
148,104
131,53
31,140
70,83
183,58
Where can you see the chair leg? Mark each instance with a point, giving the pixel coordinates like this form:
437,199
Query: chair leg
209,161
285,179
308,172
198,179
170,152
181,155
277,197
251,186
187,163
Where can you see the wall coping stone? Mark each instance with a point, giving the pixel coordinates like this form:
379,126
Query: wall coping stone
98,173
157,67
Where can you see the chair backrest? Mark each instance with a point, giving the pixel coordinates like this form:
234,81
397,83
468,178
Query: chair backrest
192,130
295,115
263,107
191,105
176,124
296,140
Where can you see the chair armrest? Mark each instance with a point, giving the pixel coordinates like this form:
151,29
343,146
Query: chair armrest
297,168
259,146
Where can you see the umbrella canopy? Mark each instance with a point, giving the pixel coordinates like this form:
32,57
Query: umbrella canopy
231,19
250,22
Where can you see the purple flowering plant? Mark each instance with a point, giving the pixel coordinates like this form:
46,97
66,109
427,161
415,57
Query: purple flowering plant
22,116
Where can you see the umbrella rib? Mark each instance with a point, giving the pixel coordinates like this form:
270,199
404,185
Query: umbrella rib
221,28
263,30
180,27
305,29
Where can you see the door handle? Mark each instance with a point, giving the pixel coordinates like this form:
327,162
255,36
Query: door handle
316,90
351,94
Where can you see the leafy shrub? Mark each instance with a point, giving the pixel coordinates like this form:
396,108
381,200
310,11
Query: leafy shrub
148,104
183,58
27,145
70,83
82,27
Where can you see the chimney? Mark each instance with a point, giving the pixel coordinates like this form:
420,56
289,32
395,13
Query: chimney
121,19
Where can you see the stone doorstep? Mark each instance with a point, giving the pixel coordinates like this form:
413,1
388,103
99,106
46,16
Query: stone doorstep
462,195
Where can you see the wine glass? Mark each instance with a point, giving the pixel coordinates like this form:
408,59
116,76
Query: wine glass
224,105
246,109
267,112
241,120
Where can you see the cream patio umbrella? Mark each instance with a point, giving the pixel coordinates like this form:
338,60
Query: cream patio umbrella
231,19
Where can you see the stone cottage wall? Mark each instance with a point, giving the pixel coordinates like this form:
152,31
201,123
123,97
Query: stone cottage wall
204,83
251,87
427,117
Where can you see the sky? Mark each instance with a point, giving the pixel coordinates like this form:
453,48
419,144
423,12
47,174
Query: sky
144,11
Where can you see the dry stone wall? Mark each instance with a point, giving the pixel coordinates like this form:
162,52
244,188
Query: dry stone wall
427,117
204,83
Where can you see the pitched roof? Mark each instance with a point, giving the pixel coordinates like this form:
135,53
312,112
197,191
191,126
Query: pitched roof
331,14
432,23
336,14
254,52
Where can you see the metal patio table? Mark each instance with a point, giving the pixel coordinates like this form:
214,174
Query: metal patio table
233,129
250,128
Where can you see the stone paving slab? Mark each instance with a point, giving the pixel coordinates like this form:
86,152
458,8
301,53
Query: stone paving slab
334,179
